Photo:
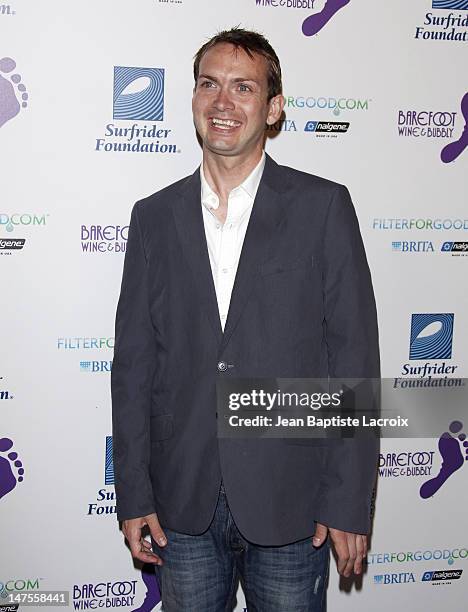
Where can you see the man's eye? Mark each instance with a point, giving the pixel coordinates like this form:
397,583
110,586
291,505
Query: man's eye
207,84
244,87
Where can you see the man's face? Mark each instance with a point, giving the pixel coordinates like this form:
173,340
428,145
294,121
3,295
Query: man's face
230,107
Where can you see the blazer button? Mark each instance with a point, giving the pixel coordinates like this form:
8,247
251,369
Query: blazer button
222,366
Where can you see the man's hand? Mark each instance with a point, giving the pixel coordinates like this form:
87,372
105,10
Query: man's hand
351,548
140,548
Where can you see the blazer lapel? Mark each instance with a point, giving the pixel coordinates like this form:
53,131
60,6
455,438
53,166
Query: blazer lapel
267,212
189,222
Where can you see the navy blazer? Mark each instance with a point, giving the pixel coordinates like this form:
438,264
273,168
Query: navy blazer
302,306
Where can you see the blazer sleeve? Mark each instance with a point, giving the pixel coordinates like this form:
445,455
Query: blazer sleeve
133,370
353,352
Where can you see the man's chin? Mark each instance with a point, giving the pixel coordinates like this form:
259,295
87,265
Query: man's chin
221,149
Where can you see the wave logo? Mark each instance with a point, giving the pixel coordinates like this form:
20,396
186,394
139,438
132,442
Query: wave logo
109,465
457,5
138,93
431,336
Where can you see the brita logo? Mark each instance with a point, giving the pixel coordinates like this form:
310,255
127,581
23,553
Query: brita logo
400,578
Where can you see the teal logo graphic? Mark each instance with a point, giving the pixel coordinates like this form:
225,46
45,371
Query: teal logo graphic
457,5
138,93
109,470
431,336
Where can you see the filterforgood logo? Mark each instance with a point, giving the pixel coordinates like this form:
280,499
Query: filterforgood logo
11,221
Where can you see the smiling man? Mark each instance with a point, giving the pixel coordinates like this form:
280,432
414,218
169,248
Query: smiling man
244,269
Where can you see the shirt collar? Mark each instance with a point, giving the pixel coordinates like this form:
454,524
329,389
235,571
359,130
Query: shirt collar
249,185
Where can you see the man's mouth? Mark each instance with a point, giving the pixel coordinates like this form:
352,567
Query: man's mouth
224,124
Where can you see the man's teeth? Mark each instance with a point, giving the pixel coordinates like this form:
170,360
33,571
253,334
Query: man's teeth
225,122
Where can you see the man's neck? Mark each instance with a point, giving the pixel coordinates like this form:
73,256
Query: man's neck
224,173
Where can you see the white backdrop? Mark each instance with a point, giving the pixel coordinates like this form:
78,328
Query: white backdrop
400,89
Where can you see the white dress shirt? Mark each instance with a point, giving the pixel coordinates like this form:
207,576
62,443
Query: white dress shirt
225,241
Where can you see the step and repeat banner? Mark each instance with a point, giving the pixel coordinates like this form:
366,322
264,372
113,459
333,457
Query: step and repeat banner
95,113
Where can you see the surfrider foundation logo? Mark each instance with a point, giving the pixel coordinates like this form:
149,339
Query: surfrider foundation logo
431,336
138,108
138,93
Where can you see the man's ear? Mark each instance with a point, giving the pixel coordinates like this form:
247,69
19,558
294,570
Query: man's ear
275,109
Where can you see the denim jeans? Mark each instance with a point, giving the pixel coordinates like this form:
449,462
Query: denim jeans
200,573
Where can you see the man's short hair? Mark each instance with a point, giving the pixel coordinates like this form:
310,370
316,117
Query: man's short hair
251,42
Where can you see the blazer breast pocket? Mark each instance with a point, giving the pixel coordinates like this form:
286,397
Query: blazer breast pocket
161,427
284,266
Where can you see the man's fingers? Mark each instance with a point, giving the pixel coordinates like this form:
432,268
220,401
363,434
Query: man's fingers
365,546
140,548
145,554
156,530
351,538
320,534
340,543
361,553
351,550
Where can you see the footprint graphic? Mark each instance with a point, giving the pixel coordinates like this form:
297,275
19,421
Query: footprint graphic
153,594
313,24
8,466
452,458
9,105
454,149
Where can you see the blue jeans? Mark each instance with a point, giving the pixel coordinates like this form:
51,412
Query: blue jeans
200,573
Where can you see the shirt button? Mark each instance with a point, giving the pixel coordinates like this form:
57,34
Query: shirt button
222,366
223,317
224,270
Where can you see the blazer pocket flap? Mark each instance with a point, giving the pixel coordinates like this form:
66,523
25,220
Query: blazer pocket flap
161,426
274,266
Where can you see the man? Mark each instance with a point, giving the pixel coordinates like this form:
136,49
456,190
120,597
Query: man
244,269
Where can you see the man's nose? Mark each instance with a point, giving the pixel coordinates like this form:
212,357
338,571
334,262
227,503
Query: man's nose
223,100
